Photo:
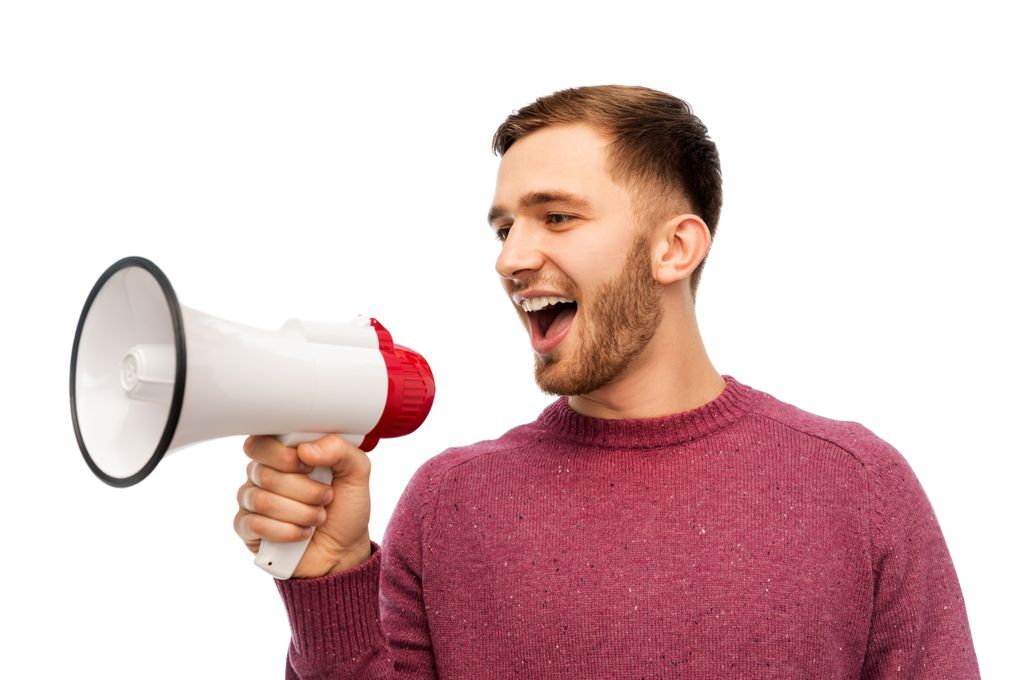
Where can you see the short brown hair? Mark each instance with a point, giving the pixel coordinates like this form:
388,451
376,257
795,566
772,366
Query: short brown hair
658,147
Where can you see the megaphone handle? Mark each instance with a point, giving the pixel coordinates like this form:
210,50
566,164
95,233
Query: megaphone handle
281,559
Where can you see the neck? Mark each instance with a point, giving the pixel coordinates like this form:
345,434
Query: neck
672,375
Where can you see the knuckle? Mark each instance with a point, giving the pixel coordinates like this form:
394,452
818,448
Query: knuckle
257,500
331,442
244,526
290,460
265,477
256,525
330,449
259,443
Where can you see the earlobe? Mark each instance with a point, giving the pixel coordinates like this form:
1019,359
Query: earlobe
682,244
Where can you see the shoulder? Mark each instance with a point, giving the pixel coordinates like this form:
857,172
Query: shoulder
431,474
892,495
893,492
857,444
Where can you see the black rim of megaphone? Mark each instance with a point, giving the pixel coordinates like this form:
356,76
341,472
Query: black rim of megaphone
178,396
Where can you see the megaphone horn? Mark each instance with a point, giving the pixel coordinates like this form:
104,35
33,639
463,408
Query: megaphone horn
150,377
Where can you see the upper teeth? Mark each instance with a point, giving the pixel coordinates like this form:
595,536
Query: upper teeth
536,303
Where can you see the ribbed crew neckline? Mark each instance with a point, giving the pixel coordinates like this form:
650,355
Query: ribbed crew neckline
565,423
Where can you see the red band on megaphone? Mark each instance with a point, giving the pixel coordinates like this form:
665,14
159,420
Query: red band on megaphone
409,394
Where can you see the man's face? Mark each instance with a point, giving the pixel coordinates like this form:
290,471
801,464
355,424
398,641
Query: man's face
574,261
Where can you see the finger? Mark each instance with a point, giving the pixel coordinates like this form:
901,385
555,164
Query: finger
276,507
268,450
253,529
243,529
296,486
346,459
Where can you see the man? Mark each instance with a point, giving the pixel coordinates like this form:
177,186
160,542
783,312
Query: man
658,520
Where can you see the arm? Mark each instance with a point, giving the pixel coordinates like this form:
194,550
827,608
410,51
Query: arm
401,594
919,625
334,622
368,621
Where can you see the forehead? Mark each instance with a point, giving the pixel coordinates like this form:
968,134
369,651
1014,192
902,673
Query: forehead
570,158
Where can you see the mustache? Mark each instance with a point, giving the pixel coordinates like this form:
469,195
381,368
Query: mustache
564,286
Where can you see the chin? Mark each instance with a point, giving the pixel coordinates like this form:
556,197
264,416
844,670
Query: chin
564,378
552,377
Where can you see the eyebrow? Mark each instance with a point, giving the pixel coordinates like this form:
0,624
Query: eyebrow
533,198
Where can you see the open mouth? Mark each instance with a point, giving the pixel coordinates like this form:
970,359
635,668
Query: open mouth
550,319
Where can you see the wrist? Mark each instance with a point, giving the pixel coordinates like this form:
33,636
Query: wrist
320,561
353,558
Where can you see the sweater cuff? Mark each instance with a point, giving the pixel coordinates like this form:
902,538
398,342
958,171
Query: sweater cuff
335,616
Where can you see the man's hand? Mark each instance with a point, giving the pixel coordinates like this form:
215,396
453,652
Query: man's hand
281,503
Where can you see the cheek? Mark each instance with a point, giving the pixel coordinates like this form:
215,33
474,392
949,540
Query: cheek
591,277
597,259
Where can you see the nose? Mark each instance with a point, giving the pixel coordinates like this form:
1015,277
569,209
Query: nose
522,252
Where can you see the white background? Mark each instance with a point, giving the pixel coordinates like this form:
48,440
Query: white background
311,160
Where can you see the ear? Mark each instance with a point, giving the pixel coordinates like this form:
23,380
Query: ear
681,243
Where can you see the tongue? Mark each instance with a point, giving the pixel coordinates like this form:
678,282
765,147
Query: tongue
561,321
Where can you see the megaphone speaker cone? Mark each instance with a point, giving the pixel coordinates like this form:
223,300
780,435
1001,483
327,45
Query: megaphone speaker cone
129,341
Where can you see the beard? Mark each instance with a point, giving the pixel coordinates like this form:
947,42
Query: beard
619,322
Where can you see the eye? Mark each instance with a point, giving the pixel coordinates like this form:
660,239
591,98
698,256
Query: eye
502,233
558,218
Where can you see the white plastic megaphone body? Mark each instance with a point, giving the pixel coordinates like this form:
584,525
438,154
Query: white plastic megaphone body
149,377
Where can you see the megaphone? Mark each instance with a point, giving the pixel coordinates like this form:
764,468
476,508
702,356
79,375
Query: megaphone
150,377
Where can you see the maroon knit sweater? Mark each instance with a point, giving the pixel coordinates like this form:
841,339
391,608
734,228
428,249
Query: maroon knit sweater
742,539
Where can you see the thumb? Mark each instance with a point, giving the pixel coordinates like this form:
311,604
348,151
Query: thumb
347,461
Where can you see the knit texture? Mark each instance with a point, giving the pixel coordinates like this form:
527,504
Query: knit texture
742,539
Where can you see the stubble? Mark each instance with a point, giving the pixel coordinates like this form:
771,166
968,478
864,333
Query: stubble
620,319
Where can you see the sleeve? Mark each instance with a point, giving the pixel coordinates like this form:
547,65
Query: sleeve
919,627
369,622
334,623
